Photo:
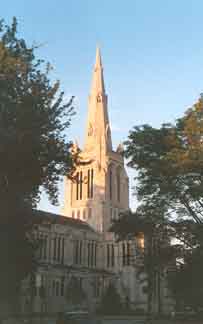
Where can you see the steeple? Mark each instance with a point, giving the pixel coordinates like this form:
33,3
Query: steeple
99,189
98,133
98,78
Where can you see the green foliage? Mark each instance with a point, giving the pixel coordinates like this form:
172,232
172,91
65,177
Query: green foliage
34,152
186,282
156,254
17,249
169,162
169,186
186,279
33,117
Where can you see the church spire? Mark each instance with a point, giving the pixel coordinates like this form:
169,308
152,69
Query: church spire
98,133
98,78
98,62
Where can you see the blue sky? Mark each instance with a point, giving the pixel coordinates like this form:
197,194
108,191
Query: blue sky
152,55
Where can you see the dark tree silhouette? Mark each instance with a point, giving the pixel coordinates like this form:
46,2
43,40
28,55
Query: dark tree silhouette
34,152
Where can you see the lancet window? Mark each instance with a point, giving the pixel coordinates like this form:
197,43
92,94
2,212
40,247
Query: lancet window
80,185
79,182
77,186
90,183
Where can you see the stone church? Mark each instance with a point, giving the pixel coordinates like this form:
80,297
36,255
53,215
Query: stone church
78,247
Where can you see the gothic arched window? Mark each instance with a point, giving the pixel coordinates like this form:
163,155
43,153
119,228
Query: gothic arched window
81,185
90,183
77,185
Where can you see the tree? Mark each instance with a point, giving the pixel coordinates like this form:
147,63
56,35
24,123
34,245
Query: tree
169,174
169,162
154,253
34,152
33,117
186,279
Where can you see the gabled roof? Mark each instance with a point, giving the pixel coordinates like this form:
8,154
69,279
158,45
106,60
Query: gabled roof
43,216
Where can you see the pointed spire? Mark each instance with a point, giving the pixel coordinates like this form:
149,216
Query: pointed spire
98,78
98,63
98,132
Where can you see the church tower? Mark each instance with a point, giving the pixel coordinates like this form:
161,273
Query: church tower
100,189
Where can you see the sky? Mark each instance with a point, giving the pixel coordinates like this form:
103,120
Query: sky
152,54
